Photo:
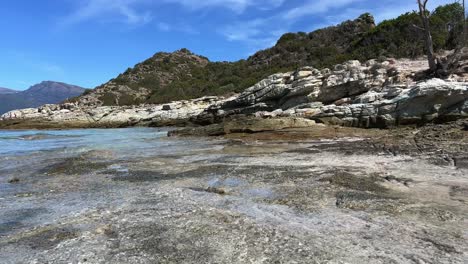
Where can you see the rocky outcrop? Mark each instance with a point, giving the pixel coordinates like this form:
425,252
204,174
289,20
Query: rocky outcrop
366,95
370,94
242,124
73,115
136,85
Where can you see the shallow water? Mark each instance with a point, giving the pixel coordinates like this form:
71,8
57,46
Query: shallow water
137,196
26,142
34,159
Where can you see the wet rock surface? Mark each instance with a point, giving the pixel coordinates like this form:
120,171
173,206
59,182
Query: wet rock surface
244,124
295,196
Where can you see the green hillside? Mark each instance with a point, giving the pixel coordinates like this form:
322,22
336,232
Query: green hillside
183,75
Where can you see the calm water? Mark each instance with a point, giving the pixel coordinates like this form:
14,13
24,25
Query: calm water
38,198
28,142
25,153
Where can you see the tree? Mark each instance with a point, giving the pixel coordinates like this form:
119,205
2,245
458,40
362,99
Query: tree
423,13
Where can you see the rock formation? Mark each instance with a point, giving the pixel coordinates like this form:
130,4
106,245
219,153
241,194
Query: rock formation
366,95
72,115
370,94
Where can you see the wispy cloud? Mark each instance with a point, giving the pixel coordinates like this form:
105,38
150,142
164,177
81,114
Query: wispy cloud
264,32
176,27
312,7
34,62
140,12
256,34
50,68
163,27
124,10
244,31
238,6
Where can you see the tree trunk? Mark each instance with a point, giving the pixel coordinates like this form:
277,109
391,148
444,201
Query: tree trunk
427,34
465,32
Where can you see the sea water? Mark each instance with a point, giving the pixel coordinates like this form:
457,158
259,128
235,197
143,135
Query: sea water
40,198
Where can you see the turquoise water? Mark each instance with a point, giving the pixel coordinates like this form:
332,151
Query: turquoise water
39,198
24,152
27,142
27,152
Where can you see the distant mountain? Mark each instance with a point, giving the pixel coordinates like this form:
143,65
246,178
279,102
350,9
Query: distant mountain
47,92
7,91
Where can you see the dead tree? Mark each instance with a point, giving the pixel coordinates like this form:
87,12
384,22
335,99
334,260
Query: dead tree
427,35
465,32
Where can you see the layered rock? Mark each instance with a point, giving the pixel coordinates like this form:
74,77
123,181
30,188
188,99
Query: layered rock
73,115
366,95
370,94
244,124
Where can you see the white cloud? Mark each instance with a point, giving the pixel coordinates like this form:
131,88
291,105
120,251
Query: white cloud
51,68
35,62
312,7
243,31
256,34
163,26
124,10
131,11
178,27
238,6
264,32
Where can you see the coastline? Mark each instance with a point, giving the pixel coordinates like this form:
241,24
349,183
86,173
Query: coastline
372,94
281,193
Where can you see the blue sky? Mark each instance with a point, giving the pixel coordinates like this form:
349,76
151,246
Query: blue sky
88,42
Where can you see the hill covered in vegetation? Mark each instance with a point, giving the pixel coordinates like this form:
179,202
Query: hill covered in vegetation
183,75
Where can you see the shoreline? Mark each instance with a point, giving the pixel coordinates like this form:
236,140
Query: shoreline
281,193
371,94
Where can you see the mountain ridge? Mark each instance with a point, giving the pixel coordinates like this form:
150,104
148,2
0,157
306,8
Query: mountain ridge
7,90
46,92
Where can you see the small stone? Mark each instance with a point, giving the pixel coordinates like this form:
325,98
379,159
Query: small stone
302,74
340,67
220,191
14,180
326,71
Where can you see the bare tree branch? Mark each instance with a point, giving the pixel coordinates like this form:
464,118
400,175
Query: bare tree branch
427,34
418,27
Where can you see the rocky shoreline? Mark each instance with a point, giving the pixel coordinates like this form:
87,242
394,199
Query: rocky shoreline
369,95
290,180
71,115
318,194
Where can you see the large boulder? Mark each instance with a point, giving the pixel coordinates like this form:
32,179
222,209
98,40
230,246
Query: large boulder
432,100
